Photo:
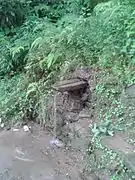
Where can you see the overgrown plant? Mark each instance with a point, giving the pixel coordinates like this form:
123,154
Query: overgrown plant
11,13
54,39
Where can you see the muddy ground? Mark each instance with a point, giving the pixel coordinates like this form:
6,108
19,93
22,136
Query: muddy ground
30,156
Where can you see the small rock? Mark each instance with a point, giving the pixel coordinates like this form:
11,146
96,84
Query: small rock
2,125
15,130
56,142
25,128
71,117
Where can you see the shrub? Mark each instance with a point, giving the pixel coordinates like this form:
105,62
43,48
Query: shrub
11,13
42,50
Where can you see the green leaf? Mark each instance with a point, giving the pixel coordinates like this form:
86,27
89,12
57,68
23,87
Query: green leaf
110,133
16,50
31,88
133,60
103,129
36,43
50,59
95,130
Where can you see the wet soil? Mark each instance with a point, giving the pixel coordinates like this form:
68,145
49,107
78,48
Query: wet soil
30,156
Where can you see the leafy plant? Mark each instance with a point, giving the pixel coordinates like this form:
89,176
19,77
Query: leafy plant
130,44
102,129
11,13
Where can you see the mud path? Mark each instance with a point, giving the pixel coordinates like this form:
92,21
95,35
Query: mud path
29,156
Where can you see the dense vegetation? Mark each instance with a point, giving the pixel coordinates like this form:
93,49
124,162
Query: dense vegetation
41,40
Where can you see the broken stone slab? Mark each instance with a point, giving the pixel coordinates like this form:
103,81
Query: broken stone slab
130,161
130,91
70,85
128,96
123,148
74,117
71,117
118,143
85,114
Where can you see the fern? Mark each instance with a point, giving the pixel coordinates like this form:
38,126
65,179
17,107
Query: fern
16,50
36,43
11,13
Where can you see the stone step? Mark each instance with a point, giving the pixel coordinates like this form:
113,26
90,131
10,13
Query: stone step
70,85
130,161
118,143
120,146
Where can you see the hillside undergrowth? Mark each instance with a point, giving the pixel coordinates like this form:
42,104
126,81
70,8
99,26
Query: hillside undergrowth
49,39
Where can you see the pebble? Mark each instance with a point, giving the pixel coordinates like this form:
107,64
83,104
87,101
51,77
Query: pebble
15,130
2,125
25,128
56,142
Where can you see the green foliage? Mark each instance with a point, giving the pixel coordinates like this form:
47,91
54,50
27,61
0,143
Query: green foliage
11,13
51,12
129,48
41,49
103,129
55,38
11,96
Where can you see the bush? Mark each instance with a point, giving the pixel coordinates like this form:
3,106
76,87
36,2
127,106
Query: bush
43,51
11,13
